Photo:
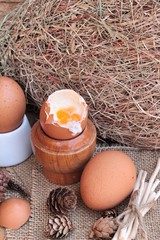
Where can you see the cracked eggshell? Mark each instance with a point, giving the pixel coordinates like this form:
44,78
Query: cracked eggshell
64,114
107,179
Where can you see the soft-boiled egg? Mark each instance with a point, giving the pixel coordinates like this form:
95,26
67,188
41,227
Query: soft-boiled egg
64,114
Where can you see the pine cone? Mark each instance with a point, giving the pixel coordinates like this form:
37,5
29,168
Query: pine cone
4,179
104,228
62,200
59,226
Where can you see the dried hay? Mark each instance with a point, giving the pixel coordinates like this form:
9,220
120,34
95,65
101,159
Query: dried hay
108,51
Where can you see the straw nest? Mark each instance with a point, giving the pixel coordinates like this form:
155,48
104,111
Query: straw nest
108,51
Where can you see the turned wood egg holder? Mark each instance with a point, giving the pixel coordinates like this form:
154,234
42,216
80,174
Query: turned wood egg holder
63,160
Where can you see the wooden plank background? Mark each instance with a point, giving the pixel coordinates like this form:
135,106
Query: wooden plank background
7,5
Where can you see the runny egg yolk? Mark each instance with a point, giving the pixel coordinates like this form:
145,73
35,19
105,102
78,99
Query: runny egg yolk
67,115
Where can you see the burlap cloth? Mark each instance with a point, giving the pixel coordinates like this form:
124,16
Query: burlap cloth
30,173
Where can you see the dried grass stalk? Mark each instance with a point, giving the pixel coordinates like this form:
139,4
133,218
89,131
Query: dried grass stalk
108,51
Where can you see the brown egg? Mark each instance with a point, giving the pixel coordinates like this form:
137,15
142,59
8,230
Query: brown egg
12,105
14,212
107,179
64,114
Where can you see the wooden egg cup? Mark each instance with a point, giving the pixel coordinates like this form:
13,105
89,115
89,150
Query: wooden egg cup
63,160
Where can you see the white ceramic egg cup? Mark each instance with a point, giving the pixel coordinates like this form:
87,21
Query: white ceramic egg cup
15,146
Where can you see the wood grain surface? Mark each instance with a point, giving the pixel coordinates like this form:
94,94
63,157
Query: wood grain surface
63,160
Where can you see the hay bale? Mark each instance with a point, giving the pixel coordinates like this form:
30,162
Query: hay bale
108,51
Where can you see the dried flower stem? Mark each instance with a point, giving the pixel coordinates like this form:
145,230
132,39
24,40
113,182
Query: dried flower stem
142,200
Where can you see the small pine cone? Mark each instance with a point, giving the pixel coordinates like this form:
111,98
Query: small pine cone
4,179
62,200
104,228
59,226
